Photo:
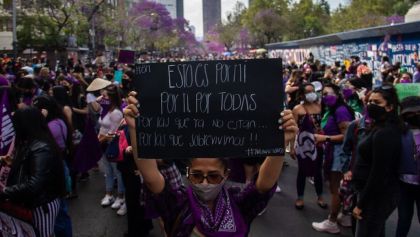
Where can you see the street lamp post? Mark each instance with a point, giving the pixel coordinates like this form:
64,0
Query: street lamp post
119,39
14,43
92,34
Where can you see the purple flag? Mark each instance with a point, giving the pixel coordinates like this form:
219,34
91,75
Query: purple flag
7,133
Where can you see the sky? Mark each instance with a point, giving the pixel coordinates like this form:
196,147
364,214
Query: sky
193,13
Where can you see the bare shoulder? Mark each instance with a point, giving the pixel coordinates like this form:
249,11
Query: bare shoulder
298,109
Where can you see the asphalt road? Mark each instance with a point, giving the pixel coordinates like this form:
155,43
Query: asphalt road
281,219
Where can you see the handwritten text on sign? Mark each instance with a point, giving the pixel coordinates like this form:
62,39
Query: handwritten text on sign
209,109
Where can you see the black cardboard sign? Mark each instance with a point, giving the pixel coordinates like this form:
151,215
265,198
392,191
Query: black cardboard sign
126,56
210,109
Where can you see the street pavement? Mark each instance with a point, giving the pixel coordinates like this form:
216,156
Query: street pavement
281,219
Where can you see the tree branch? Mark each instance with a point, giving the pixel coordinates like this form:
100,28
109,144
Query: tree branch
94,10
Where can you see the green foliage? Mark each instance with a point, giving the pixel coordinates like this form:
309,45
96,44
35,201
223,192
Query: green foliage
276,20
366,13
228,31
47,25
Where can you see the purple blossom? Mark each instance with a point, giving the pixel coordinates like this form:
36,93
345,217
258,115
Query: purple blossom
151,16
394,19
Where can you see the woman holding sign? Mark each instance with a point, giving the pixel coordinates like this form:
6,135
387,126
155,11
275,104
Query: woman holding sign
207,207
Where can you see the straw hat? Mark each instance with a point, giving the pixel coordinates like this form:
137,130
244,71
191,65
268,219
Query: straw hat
98,84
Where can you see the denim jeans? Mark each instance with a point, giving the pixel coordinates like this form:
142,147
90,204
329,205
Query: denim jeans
375,214
111,172
63,226
410,196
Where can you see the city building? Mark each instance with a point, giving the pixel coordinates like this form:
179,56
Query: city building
370,44
179,8
212,14
414,13
174,7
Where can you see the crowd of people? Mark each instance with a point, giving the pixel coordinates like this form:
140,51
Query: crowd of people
358,138
60,124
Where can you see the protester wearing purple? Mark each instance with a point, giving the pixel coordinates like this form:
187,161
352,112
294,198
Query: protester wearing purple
416,76
409,167
6,127
207,207
308,154
337,116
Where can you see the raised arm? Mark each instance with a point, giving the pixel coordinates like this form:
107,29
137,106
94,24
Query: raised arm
147,167
80,111
271,168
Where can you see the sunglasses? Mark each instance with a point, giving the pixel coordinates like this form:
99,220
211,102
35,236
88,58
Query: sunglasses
198,178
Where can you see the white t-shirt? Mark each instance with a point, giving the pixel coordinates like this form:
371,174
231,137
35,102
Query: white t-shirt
110,122
90,98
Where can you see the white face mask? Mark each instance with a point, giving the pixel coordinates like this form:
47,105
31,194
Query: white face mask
207,192
311,97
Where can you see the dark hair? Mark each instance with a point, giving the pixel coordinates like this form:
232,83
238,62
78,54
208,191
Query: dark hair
224,161
61,96
301,91
47,103
76,92
30,125
114,97
407,73
55,111
389,93
27,83
357,83
340,101
43,83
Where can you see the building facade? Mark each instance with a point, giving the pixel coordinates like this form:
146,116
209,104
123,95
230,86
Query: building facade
400,42
212,14
180,8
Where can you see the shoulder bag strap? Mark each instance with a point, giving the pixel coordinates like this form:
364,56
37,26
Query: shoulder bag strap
355,141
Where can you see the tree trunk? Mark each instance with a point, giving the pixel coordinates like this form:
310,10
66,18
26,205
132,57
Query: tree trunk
52,58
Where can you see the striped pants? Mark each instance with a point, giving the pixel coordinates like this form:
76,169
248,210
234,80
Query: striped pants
44,218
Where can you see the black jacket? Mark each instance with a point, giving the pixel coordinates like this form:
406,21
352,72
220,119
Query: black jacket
36,176
375,174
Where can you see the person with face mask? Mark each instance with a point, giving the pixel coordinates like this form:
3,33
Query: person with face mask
351,94
336,117
109,126
416,75
405,77
207,207
126,82
409,166
309,156
352,138
375,174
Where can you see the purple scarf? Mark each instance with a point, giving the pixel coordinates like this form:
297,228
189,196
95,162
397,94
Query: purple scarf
105,104
226,221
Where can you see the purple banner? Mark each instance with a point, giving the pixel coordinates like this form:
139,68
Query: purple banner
7,132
